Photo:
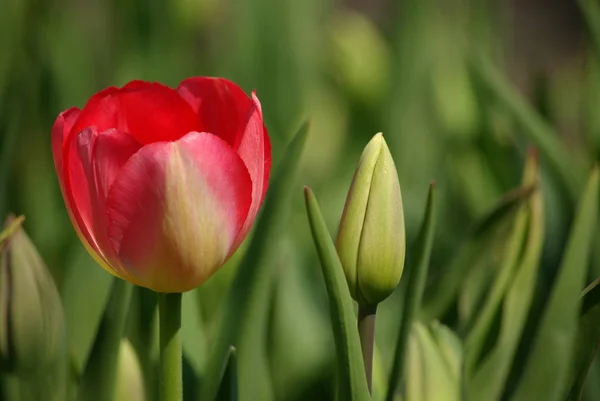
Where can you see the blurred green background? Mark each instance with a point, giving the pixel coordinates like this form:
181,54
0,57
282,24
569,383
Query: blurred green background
355,68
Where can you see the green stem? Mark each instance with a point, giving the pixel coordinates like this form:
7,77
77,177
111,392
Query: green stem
366,331
169,307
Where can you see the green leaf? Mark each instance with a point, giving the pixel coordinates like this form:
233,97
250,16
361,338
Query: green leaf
588,338
352,384
590,9
99,377
537,130
479,328
85,293
546,374
228,389
417,274
246,306
445,289
488,380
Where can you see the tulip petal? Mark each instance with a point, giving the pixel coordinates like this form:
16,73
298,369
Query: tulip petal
88,170
222,107
149,111
60,131
77,191
254,147
175,210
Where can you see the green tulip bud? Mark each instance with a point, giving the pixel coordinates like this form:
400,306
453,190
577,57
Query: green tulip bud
130,381
371,239
31,315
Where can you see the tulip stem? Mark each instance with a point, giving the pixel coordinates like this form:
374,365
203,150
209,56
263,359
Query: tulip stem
366,331
169,308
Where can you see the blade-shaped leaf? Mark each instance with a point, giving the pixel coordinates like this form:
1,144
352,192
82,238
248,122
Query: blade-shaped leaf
99,377
247,300
228,389
590,9
479,328
416,276
588,339
487,382
85,293
567,170
446,287
545,379
352,384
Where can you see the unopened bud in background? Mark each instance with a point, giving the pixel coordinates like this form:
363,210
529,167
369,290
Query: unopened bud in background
130,381
32,337
371,239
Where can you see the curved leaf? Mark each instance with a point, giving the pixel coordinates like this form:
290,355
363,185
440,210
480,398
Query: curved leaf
352,384
545,379
531,123
588,339
488,380
417,274
246,305
439,298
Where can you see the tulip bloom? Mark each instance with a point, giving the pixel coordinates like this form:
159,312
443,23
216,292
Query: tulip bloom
161,184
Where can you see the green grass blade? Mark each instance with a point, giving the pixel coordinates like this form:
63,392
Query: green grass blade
590,9
479,328
531,123
487,382
588,338
99,377
228,389
352,384
85,293
546,374
439,298
417,274
247,299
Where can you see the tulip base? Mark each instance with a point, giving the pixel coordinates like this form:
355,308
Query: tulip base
366,331
170,370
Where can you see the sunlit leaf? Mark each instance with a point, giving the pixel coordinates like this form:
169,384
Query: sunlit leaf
546,373
445,288
537,130
245,311
588,338
416,275
488,380
352,384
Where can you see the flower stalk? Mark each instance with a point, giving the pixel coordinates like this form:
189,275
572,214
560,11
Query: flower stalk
170,369
366,332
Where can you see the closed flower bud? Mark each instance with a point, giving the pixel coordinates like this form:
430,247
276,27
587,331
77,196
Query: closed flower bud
371,240
31,315
130,381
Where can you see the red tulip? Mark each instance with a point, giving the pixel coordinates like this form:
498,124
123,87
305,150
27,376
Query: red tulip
162,185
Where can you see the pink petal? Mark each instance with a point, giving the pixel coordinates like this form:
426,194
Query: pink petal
222,107
254,148
175,210
150,112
